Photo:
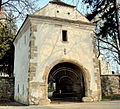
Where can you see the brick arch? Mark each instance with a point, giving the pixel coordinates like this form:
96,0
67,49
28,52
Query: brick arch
85,72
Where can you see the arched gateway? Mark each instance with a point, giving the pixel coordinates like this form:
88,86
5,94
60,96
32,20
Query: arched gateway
66,81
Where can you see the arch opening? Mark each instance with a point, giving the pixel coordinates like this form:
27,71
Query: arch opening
66,82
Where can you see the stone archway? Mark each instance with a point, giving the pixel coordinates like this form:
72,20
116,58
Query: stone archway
67,82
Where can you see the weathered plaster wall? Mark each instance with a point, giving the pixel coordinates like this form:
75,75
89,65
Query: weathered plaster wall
51,48
58,11
6,88
21,65
110,84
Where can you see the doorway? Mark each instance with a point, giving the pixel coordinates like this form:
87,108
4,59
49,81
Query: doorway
66,83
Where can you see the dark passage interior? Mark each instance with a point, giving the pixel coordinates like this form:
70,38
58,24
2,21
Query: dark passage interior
66,83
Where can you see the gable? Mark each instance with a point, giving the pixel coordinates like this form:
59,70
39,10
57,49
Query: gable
62,11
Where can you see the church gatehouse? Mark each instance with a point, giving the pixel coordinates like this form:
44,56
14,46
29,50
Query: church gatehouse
55,57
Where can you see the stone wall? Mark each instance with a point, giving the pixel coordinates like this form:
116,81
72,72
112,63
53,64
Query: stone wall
6,88
110,84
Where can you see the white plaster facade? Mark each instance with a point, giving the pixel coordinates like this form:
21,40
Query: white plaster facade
39,47
22,65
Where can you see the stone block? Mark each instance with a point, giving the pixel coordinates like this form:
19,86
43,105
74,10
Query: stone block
87,99
34,28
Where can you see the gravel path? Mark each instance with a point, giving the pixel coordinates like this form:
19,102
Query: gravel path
66,105
9,103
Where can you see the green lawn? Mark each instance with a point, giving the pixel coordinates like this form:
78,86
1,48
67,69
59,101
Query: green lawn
113,97
51,90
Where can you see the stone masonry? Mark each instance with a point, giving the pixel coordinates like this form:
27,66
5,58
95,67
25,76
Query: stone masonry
6,88
110,84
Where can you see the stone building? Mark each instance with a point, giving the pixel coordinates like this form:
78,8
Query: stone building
104,66
54,49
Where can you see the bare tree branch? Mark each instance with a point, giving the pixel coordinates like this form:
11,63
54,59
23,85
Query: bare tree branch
102,40
20,8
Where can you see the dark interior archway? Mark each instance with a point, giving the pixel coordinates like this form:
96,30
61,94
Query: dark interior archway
66,82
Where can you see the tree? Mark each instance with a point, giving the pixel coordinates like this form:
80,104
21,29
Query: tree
20,8
17,9
7,33
105,14
13,9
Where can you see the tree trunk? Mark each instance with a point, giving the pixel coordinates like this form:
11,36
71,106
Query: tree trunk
117,21
0,5
118,31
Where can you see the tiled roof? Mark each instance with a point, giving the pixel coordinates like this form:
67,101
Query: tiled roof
59,2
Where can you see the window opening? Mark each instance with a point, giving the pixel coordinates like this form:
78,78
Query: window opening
64,35
25,39
18,88
68,13
23,89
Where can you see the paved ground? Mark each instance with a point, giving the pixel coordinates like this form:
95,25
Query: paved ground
69,105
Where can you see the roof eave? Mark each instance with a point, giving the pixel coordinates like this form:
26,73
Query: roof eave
60,19
62,4
20,28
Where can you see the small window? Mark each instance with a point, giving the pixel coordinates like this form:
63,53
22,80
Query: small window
18,88
25,39
68,13
23,90
64,35
57,11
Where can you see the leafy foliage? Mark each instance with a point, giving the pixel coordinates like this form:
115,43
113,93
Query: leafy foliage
7,33
17,9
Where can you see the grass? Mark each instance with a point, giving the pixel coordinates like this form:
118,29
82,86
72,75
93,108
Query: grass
113,97
51,90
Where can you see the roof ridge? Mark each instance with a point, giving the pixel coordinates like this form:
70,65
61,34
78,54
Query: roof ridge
59,2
